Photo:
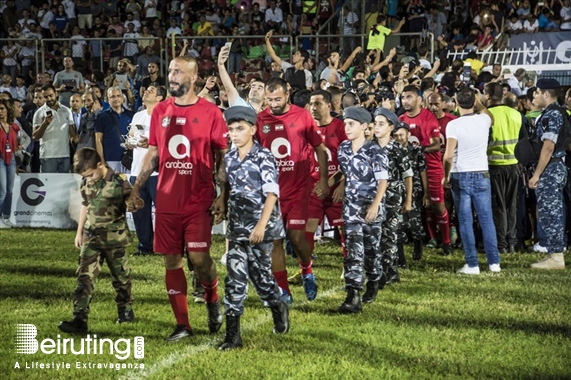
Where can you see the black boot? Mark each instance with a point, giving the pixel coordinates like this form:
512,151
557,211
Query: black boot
418,250
215,318
371,290
125,316
352,303
392,274
402,259
233,339
179,333
78,325
280,314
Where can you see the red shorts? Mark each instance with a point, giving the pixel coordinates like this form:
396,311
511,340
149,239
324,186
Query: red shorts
318,208
174,232
294,213
435,188
435,174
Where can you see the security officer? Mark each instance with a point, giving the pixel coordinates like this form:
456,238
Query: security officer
550,173
503,166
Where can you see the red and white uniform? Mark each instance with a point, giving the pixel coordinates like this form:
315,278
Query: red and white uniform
423,127
332,135
186,137
290,137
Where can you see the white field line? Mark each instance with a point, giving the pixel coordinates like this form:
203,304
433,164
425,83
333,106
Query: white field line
179,356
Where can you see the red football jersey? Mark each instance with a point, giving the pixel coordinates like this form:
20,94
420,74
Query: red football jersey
423,127
289,137
443,122
332,135
186,137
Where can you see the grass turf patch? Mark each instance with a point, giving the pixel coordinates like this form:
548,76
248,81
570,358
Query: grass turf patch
434,324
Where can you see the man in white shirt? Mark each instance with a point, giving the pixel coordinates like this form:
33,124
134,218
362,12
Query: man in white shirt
466,171
174,29
515,80
274,17
53,128
565,14
143,218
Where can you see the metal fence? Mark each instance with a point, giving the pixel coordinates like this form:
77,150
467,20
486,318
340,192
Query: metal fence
21,42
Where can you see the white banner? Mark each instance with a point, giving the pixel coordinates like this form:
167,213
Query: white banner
46,200
54,201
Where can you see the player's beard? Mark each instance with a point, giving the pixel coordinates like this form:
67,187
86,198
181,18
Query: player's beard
182,90
278,110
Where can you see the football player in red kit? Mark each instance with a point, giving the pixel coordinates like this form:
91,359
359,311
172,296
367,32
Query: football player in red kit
332,132
289,132
187,143
425,131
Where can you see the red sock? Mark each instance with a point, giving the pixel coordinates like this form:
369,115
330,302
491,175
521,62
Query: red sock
444,227
309,237
176,288
281,279
210,290
343,245
306,269
431,224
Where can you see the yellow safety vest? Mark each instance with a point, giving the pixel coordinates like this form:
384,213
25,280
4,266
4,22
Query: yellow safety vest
505,135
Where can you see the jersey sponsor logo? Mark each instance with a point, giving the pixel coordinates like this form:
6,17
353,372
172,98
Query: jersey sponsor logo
166,121
196,244
296,221
266,128
175,142
414,140
412,126
172,292
281,148
291,125
180,120
279,127
195,120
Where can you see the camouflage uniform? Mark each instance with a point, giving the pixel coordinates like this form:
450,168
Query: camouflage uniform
399,169
105,236
363,171
250,180
412,221
549,192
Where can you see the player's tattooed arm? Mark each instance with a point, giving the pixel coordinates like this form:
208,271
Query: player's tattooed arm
150,164
218,207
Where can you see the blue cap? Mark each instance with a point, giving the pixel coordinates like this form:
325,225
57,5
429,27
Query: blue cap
237,113
390,115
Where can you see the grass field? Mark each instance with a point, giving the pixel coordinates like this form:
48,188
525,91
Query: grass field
434,324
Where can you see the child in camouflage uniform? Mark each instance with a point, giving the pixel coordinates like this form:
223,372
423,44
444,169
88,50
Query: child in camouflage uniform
398,199
102,234
363,163
254,223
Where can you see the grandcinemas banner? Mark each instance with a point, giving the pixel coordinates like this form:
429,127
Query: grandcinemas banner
533,46
54,201
46,200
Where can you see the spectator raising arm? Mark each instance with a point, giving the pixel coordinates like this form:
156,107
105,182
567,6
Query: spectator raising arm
231,90
270,48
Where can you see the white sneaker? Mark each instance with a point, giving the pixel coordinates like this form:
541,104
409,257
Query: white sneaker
539,248
468,270
224,259
3,224
495,268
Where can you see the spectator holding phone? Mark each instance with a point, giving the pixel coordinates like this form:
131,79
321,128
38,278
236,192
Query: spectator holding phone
68,82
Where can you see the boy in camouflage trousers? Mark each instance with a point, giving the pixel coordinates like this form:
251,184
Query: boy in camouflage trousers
398,199
254,223
102,234
413,219
363,163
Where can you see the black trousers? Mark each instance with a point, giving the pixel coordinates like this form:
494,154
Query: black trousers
504,180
